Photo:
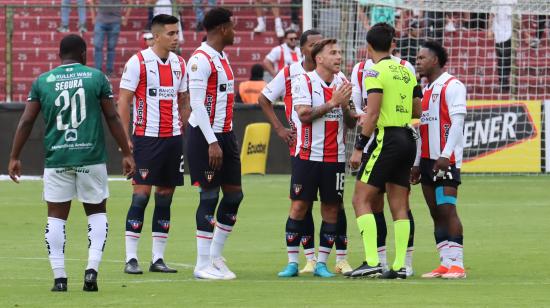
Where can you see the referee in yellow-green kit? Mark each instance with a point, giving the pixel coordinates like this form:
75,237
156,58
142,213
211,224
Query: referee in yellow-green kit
391,90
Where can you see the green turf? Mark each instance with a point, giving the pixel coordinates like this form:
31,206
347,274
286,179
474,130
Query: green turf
507,248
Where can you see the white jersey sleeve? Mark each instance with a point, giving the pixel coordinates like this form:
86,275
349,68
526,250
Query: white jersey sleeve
455,96
130,76
274,55
356,95
410,67
300,91
275,88
198,70
184,79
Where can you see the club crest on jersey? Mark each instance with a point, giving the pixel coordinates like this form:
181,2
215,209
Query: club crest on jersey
305,239
209,175
135,224
210,219
297,188
291,236
164,224
194,67
143,173
434,97
177,74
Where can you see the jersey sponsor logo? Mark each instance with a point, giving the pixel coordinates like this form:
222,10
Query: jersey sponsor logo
371,73
152,92
51,78
167,93
143,173
259,148
140,106
297,188
71,135
209,175
495,127
400,73
134,224
223,87
426,117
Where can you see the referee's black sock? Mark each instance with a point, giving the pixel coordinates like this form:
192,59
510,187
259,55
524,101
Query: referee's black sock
161,224
308,235
134,224
341,240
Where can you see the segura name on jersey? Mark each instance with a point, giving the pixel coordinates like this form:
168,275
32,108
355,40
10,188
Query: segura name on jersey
69,84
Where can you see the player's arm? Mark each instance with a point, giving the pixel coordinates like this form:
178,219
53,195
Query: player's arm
272,57
417,102
125,98
375,93
24,128
184,108
415,170
272,91
119,134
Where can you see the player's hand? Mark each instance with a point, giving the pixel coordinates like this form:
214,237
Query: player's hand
124,21
415,175
131,145
215,156
490,34
14,170
288,135
128,166
355,159
442,163
342,95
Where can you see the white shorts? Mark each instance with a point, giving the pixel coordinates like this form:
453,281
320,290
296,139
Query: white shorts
87,183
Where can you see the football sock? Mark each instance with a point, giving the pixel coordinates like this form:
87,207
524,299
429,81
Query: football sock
226,218
308,236
382,230
161,225
410,244
205,225
402,229
134,224
442,245
98,227
55,242
293,230
327,235
341,240
456,254
367,227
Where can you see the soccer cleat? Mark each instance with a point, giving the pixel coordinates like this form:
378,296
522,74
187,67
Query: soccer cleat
391,274
436,273
160,267
209,272
219,264
409,270
90,281
291,270
322,271
309,267
59,285
343,267
455,272
365,270
132,267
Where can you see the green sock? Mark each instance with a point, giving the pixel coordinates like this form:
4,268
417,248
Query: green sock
401,229
367,227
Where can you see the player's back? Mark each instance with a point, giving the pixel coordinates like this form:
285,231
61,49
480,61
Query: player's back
70,102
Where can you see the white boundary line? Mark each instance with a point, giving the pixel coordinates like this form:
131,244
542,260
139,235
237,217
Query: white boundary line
183,265
4,177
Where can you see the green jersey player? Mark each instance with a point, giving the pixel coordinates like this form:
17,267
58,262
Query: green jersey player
72,98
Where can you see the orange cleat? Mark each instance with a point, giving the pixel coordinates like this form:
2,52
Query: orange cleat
455,272
436,273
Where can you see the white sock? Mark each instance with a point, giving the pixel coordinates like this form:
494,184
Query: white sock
55,242
324,252
221,233
456,254
260,21
278,23
293,252
310,254
159,245
341,255
132,240
443,248
204,241
409,257
98,227
382,256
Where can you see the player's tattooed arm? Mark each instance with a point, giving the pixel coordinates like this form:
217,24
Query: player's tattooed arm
308,114
24,128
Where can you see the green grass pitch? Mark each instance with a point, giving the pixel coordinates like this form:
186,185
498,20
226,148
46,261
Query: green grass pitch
507,250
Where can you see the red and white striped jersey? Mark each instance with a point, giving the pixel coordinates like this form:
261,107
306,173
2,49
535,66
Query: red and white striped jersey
156,86
444,97
281,86
210,71
283,55
323,139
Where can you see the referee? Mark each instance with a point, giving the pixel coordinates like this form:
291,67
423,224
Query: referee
391,89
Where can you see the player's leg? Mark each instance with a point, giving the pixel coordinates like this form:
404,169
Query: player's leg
327,236
134,225
160,228
382,229
308,241
397,200
410,244
341,242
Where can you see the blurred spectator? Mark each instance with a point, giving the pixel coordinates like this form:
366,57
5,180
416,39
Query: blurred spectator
284,54
370,15
408,43
501,21
165,7
250,90
261,27
66,11
107,25
541,26
148,40
150,12
199,11
295,15
434,25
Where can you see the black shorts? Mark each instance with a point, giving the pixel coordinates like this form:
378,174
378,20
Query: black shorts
391,156
159,161
199,168
451,179
312,177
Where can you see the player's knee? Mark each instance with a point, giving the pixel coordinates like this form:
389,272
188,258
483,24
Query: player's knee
441,198
205,212
229,206
300,210
163,200
139,200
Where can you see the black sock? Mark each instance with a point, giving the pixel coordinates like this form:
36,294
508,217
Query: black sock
205,212
134,218
228,208
411,234
382,230
161,215
293,230
341,241
308,233
327,235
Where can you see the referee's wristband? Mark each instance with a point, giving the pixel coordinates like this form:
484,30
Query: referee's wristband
361,142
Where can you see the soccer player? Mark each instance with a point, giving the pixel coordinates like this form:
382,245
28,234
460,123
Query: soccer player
72,98
213,152
155,82
284,54
321,100
359,97
438,166
390,91
280,86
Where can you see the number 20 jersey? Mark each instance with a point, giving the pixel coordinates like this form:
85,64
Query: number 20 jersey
70,102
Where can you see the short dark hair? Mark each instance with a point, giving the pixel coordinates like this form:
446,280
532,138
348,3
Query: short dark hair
380,36
320,45
306,34
164,19
257,72
290,31
215,17
72,46
439,51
